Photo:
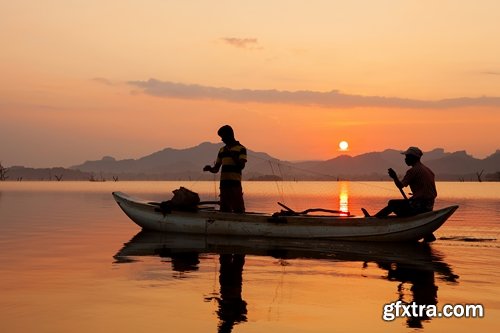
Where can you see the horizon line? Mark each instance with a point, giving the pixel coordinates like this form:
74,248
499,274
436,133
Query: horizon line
257,152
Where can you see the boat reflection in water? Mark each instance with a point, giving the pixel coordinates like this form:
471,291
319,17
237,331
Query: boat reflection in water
414,265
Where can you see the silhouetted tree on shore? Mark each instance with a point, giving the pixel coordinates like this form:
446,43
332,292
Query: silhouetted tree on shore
3,172
479,174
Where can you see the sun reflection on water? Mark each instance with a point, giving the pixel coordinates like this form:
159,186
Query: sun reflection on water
344,198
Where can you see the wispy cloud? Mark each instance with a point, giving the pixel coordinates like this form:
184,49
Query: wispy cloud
333,99
103,81
242,43
491,73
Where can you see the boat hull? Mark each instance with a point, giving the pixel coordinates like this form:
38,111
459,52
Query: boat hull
212,222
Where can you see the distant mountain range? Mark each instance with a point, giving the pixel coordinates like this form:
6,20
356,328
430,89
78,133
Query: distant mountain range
187,164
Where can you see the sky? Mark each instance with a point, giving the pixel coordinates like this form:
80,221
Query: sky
80,80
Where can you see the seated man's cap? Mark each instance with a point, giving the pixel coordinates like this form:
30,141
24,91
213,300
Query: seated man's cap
415,151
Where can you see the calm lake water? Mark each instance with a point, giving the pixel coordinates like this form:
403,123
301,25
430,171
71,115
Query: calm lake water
71,261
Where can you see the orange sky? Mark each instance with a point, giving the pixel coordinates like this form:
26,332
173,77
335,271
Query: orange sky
83,79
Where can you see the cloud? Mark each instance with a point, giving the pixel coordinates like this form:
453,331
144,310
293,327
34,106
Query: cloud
332,99
103,81
491,73
242,43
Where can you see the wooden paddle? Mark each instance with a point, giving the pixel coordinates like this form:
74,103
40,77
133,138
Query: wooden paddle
403,193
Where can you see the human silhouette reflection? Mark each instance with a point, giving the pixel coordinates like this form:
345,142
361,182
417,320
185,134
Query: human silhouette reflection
232,308
182,262
423,288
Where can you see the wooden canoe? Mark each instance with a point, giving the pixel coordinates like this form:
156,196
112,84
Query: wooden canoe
350,228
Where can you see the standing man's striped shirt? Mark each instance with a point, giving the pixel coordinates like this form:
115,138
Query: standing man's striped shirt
229,158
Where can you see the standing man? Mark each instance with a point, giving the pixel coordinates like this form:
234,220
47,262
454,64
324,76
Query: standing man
421,181
232,158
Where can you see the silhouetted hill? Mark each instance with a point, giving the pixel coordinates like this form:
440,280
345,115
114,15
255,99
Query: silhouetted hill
172,163
369,165
187,164
168,159
362,165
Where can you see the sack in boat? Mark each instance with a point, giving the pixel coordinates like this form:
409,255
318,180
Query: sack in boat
183,199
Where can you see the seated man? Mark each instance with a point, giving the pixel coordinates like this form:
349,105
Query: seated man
421,181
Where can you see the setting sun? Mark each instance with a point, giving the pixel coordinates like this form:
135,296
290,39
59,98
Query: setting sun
343,145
